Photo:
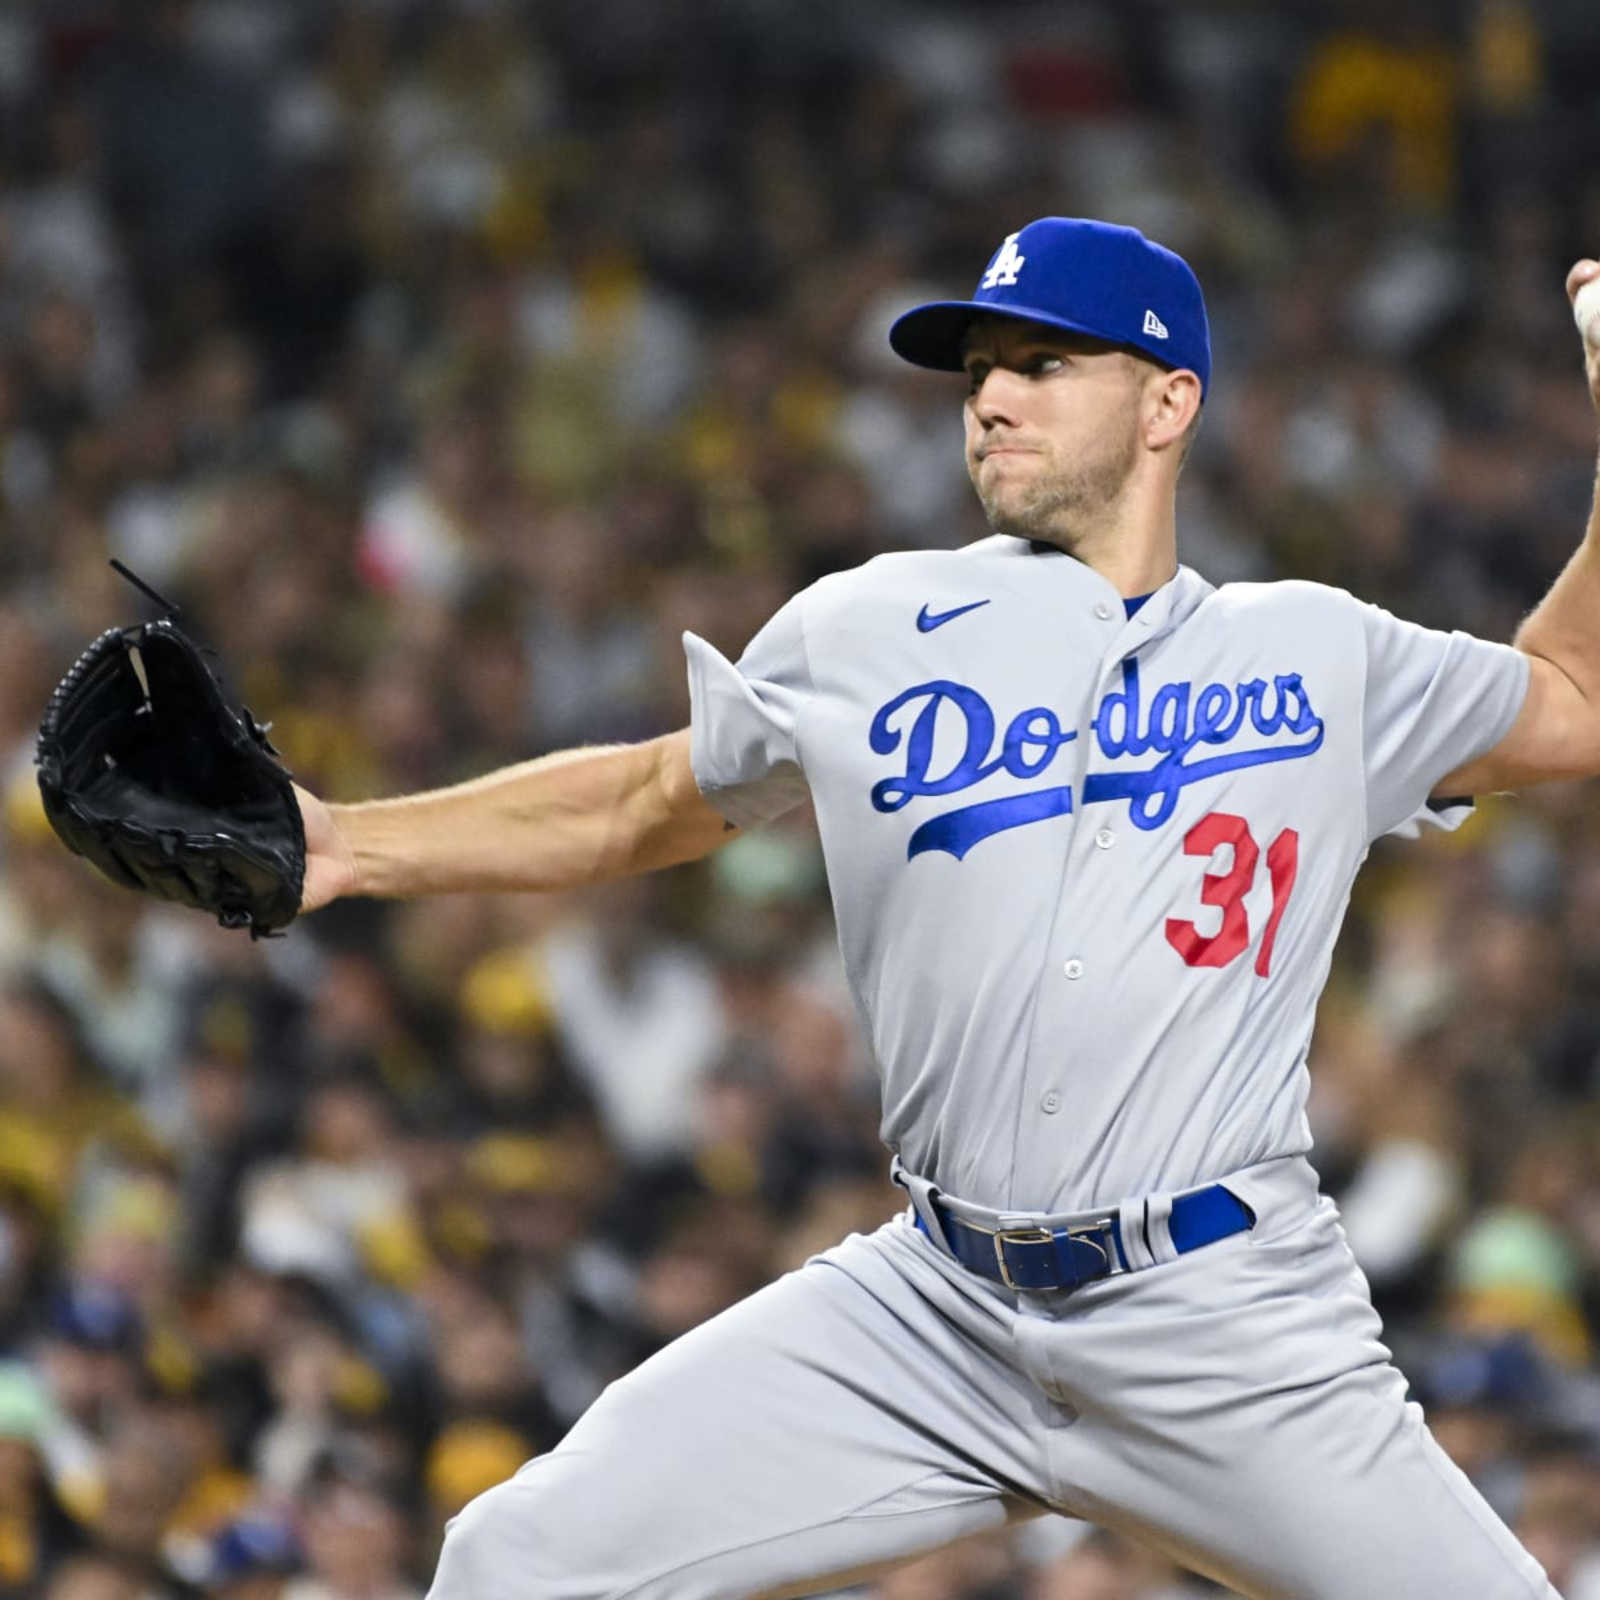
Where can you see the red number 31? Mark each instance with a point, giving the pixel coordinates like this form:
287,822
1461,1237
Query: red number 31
1227,890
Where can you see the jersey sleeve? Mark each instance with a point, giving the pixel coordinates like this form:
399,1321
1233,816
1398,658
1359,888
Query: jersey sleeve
1433,702
743,743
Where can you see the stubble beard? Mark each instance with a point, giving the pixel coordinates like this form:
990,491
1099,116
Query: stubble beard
1067,506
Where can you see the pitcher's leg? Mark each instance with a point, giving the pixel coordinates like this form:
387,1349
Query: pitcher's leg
812,1432
1346,1497
1265,1439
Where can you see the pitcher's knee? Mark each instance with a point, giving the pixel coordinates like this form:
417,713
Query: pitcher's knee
468,1564
530,1538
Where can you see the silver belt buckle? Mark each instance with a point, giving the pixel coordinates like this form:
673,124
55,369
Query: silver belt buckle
1086,1233
1016,1236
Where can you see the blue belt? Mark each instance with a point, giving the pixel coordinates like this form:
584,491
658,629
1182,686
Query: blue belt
1068,1258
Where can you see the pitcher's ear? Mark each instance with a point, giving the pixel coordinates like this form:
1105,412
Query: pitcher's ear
1172,406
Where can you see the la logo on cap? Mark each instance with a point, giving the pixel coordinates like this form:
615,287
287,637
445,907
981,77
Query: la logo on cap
1154,327
1004,268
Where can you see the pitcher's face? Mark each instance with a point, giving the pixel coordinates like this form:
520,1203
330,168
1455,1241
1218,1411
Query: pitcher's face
1052,431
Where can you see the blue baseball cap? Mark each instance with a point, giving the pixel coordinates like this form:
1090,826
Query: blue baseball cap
1070,272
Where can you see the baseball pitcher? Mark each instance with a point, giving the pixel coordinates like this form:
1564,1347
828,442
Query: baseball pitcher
1091,825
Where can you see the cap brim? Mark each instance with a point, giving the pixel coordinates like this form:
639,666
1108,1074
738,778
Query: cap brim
932,335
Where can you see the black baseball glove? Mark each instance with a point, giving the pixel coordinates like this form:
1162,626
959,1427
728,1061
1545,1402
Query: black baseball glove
150,769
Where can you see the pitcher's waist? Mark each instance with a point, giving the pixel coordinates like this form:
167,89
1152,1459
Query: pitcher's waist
1062,1250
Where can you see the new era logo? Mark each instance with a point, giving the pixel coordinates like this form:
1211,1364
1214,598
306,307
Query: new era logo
1154,327
1004,268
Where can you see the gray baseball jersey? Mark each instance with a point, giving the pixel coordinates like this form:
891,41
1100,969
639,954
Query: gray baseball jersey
1088,868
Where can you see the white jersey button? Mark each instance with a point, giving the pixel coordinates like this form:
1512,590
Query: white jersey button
1103,611
1074,968
1050,1103
1105,838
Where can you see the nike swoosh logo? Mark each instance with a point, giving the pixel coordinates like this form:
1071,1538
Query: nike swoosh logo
928,620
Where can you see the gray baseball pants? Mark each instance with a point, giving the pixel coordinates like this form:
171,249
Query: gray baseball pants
1233,1407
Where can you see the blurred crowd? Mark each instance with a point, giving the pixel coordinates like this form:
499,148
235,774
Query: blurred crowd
445,360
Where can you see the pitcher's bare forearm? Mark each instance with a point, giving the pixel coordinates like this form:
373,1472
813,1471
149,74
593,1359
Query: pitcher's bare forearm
578,817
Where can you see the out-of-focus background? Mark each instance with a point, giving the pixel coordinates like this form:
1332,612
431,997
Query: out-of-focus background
446,361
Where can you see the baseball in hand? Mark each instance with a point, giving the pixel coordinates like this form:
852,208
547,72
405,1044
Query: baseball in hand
1586,312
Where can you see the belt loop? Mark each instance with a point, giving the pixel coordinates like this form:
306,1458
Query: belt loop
922,1195
1157,1214
1133,1234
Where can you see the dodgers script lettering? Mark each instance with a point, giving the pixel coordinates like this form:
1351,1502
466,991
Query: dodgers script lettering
1175,723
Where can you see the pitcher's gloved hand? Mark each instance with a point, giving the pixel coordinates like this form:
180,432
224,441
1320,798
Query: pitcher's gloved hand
152,770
